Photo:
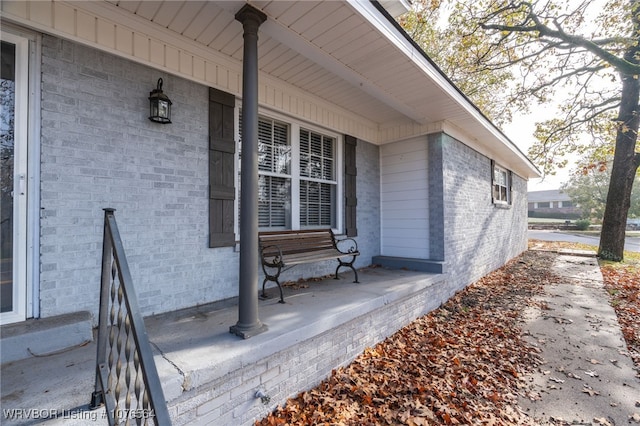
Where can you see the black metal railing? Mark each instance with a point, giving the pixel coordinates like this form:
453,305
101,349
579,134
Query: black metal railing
127,381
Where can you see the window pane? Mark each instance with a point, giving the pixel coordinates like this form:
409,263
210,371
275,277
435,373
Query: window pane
327,169
282,150
7,150
317,202
274,201
500,177
265,157
316,155
274,151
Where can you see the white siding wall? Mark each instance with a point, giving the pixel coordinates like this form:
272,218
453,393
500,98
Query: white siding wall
404,199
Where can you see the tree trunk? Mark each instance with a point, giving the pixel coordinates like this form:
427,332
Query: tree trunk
625,160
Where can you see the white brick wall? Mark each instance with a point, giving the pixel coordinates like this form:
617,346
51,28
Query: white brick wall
368,193
479,236
100,150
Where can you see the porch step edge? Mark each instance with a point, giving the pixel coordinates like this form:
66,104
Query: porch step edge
44,336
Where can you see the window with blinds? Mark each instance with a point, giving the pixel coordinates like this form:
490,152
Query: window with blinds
300,195
501,185
274,202
317,181
274,181
274,150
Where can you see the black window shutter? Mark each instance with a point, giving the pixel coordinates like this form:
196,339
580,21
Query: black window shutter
350,174
510,182
492,180
221,168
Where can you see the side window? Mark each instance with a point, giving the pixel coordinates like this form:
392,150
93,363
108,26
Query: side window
501,187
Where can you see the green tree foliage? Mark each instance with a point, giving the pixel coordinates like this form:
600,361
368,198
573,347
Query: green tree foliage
588,188
589,51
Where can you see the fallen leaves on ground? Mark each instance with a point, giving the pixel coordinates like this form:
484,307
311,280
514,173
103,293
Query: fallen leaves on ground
460,364
622,281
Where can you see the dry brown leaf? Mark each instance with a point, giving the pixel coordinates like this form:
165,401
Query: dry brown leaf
590,391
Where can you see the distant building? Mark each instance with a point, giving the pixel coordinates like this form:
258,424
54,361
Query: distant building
552,204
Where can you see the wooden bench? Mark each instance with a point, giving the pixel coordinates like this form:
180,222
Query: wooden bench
282,250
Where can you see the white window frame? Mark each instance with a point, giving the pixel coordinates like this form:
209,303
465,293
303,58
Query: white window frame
498,184
301,178
294,128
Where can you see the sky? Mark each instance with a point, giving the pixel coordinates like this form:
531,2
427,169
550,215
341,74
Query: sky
520,131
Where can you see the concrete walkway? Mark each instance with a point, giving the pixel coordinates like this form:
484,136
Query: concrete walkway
587,377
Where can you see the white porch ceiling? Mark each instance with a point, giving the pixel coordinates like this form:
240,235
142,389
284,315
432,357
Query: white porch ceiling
344,52
322,47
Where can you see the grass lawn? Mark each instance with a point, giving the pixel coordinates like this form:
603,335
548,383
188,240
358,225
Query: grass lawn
546,220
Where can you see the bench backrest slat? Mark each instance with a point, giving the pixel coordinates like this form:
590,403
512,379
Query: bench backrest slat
291,242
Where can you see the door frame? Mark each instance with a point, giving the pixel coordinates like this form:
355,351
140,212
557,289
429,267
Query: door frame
26,270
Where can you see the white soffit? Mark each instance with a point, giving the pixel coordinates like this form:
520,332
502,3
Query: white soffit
305,48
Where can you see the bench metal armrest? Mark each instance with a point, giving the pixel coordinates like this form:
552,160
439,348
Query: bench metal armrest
347,246
273,261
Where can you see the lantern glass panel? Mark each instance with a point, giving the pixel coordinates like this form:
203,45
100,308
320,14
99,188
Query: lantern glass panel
163,109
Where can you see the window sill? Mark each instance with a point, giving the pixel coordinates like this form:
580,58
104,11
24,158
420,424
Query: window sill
502,206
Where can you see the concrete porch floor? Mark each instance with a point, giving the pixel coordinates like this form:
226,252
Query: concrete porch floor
211,376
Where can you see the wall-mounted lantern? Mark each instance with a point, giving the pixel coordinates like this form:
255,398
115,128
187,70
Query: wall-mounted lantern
159,105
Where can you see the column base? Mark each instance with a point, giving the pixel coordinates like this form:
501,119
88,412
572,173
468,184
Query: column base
246,332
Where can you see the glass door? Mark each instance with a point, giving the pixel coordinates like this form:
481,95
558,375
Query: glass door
13,177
